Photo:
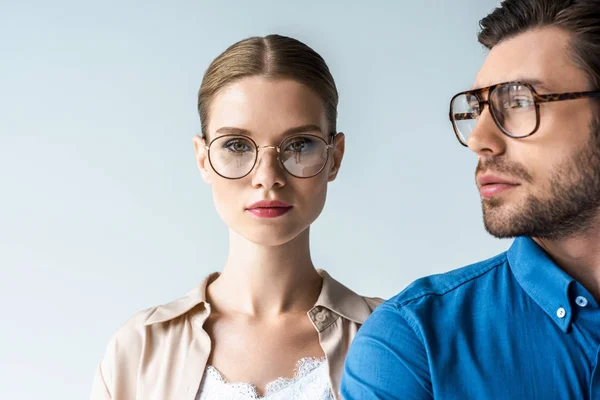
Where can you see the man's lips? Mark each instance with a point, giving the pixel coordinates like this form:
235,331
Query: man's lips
490,186
491,179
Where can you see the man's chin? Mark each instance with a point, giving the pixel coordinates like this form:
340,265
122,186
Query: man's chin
501,232
500,223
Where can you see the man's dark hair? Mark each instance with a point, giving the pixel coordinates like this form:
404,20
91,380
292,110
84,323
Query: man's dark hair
579,17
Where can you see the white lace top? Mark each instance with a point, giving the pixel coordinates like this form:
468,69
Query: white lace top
310,382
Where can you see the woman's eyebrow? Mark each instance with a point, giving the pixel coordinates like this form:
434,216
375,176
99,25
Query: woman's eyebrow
303,129
230,130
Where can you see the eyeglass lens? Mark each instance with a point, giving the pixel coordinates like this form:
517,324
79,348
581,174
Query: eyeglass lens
512,106
234,157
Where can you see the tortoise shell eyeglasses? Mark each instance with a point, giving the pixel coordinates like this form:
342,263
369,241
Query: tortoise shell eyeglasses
514,107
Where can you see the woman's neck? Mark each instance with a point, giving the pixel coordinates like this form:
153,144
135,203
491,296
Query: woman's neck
263,281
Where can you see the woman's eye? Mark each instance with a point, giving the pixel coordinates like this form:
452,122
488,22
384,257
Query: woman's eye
237,146
298,145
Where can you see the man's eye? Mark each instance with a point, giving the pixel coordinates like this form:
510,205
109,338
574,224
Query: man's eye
518,103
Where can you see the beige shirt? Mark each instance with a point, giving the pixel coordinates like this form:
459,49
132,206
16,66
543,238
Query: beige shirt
161,353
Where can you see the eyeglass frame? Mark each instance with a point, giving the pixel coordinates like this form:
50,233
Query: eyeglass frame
537,100
328,146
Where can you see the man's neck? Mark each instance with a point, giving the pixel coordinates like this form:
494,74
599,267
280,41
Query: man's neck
578,256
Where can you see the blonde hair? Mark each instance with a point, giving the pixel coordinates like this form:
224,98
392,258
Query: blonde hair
272,56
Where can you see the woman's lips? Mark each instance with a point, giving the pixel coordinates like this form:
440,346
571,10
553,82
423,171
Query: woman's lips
269,208
270,212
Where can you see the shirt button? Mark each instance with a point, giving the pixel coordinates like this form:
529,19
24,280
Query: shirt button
321,316
581,301
560,313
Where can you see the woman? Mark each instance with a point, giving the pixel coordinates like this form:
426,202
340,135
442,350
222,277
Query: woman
270,324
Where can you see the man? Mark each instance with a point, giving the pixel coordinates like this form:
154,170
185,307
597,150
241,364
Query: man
526,323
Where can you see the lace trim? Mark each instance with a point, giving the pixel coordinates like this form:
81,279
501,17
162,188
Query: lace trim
303,368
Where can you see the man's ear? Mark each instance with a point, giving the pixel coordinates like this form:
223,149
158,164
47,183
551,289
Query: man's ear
202,158
339,145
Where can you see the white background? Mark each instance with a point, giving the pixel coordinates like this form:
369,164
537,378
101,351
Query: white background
103,212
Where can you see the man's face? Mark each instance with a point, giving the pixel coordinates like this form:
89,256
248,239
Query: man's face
546,185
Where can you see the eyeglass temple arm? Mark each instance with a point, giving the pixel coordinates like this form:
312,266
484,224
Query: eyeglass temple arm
540,98
464,116
333,135
546,98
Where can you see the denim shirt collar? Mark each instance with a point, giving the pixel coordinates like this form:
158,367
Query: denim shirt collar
545,282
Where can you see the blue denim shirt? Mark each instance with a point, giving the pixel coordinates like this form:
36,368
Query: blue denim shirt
512,327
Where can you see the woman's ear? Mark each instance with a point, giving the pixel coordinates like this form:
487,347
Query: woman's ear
339,143
202,158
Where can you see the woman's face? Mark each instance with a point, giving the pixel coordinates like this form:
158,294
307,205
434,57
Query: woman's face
267,111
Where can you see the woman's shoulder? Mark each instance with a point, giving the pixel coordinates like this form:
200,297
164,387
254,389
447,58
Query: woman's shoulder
158,320
134,328
119,364
127,342
373,302
344,301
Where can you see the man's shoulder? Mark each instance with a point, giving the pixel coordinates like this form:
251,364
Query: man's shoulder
437,287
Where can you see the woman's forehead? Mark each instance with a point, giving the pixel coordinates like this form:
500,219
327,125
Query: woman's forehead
266,105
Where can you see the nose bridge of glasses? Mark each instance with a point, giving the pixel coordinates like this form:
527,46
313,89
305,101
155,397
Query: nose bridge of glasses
259,159
483,97
268,146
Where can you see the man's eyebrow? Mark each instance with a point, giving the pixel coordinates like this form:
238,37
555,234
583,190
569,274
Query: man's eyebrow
536,83
229,130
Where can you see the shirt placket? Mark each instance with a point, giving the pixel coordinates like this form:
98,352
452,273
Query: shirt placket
196,360
589,320
595,383
322,319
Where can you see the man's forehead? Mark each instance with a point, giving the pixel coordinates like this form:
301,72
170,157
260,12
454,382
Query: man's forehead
540,85
537,56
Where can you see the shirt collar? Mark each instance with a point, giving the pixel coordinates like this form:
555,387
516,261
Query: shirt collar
334,296
542,280
341,300
174,309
